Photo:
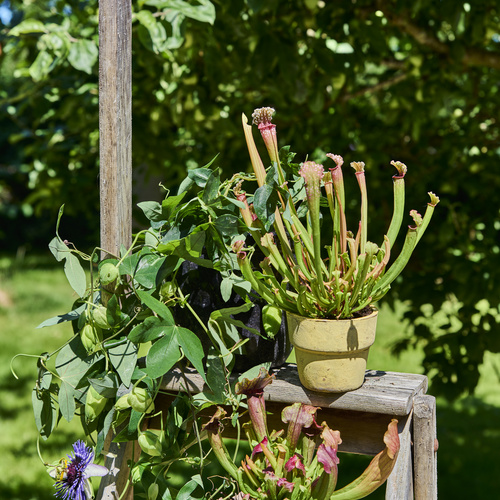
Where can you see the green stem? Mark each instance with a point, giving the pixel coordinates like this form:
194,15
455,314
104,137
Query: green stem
400,263
364,210
399,205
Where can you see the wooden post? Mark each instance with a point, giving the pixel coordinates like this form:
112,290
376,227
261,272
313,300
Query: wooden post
115,143
115,122
425,447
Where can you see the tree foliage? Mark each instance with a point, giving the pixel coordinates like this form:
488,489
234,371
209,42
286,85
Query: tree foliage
416,82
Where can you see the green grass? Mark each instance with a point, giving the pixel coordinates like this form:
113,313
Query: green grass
468,430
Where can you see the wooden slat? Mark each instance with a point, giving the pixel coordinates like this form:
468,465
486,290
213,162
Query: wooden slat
400,482
388,393
425,447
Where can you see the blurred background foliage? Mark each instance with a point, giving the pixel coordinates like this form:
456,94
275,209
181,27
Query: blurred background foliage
370,80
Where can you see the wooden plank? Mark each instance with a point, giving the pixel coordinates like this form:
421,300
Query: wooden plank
400,483
388,393
115,123
425,448
115,148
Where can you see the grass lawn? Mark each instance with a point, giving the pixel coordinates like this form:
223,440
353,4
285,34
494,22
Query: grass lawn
468,429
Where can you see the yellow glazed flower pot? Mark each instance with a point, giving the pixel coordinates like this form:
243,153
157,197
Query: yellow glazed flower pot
331,354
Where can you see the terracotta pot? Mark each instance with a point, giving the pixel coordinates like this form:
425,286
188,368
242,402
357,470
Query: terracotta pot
331,354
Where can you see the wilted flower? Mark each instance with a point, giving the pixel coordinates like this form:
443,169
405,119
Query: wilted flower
73,474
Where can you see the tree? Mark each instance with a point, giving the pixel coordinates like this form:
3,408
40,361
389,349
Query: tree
367,79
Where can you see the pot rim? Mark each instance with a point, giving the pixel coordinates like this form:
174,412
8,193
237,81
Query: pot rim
359,318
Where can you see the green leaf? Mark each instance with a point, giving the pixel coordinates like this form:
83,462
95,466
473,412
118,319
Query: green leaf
58,248
163,355
123,357
205,12
148,330
72,364
228,225
83,55
212,187
189,248
75,274
148,269
66,398
107,385
72,267
192,348
101,436
185,493
226,287
28,26
45,412
200,176
70,316
41,66
114,314
216,375
154,28
265,201
152,210
170,204
156,306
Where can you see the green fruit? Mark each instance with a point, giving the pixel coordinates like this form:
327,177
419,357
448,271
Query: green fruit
153,491
91,337
94,404
140,400
108,274
168,290
271,320
150,442
99,317
122,404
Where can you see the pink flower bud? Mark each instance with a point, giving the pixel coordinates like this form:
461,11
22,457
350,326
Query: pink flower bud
312,173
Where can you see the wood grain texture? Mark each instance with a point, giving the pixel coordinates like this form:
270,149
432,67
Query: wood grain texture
115,123
388,393
400,483
425,448
115,177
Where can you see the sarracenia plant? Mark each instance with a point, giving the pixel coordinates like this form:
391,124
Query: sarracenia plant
298,464
299,274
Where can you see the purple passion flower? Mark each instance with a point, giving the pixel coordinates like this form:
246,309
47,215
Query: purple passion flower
73,474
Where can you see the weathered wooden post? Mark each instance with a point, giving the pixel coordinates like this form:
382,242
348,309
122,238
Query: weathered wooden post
115,144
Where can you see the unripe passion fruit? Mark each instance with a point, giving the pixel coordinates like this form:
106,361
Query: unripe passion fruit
150,442
108,274
140,400
91,336
94,404
99,317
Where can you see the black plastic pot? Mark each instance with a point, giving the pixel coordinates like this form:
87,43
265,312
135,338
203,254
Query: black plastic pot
203,287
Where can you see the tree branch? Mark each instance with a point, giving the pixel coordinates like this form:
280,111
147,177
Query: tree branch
375,88
472,56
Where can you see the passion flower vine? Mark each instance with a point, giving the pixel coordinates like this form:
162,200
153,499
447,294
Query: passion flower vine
72,474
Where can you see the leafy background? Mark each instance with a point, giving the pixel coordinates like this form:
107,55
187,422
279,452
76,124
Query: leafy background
370,80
